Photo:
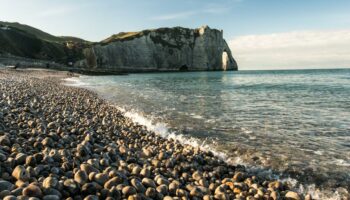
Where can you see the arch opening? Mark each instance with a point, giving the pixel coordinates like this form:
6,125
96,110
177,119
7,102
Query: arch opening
225,60
183,68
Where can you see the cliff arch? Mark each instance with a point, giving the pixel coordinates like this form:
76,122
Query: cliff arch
225,60
183,68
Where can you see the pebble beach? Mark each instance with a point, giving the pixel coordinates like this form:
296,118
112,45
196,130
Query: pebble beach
61,142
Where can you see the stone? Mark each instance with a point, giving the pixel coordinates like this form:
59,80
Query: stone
113,182
20,173
91,197
80,177
5,140
147,182
290,195
50,182
51,197
151,192
239,176
128,190
138,185
88,168
163,189
5,185
10,197
197,176
32,191
101,178
71,186
30,161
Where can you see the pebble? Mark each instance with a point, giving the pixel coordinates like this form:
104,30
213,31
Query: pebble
51,197
80,177
20,173
32,191
129,190
50,182
292,195
5,185
147,182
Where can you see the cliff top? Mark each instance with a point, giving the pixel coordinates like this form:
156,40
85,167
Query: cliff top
174,31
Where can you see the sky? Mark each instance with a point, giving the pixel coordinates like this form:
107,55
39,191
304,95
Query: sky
262,34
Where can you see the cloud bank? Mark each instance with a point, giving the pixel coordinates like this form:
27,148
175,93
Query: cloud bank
301,49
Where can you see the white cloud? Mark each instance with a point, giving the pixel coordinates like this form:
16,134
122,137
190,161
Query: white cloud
300,49
213,9
180,15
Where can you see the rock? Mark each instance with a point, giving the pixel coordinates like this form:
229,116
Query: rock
91,197
163,189
30,161
88,168
5,185
47,142
195,192
239,177
18,191
101,178
113,182
51,197
2,157
151,192
145,172
128,190
50,182
80,177
32,191
20,158
138,185
5,140
275,185
71,186
147,182
177,49
10,197
197,175
89,188
308,197
290,195
20,173
51,125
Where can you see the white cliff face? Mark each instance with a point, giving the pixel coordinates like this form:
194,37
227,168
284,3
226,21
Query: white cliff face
167,49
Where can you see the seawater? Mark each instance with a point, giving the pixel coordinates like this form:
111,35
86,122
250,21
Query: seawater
294,123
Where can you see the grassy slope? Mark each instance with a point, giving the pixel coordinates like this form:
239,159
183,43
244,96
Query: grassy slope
26,41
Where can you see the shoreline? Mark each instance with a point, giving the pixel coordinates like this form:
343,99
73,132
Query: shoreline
89,149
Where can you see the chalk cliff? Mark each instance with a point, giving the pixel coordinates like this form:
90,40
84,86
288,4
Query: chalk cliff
164,49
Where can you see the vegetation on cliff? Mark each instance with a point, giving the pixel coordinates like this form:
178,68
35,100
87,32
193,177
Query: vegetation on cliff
26,41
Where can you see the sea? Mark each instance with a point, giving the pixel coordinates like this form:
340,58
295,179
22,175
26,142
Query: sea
293,125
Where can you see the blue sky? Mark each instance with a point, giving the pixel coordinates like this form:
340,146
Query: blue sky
95,19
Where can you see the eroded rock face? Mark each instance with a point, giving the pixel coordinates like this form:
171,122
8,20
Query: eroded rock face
165,49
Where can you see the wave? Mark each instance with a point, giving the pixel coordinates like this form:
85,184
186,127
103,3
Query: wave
162,129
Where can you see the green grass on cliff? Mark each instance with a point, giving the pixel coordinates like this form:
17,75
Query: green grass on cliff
41,34
26,41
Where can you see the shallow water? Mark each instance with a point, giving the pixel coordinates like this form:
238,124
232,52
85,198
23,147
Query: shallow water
295,122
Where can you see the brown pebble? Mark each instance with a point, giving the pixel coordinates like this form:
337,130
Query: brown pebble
128,190
80,177
20,173
32,191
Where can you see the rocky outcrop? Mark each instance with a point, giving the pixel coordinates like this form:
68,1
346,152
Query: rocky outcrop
164,49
